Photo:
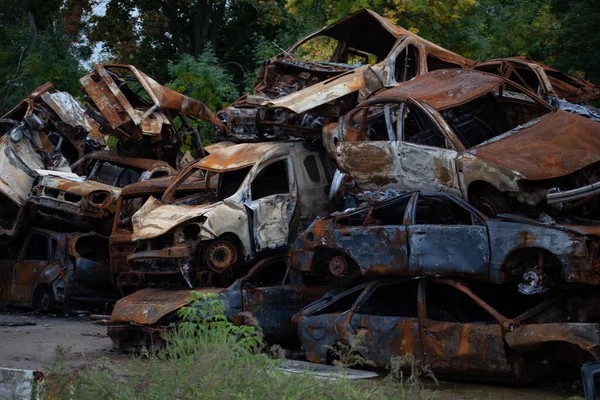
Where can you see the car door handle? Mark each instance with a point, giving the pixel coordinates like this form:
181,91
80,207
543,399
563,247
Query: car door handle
419,232
430,333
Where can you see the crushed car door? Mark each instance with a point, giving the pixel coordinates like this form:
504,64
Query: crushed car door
33,260
460,338
386,323
447,239
272,202
376,238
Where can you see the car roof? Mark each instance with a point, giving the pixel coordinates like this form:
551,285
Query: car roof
443,88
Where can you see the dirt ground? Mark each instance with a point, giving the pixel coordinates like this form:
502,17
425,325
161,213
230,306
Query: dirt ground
29,339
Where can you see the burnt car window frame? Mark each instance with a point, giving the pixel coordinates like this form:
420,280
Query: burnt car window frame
365,297
476,217
491,318
362,289
23,256
254,173
449,143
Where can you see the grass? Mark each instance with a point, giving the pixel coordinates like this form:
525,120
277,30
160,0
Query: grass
207,357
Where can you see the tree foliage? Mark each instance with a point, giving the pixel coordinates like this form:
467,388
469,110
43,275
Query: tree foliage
49,39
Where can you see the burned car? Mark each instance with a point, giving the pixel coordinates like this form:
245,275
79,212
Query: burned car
51,269
43,132
267,296
476,135
449,326
132,198
266,193
111,169
437,234
82,202
141,113
561,90
327,73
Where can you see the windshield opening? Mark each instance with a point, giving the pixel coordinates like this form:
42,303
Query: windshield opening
230,182
325,49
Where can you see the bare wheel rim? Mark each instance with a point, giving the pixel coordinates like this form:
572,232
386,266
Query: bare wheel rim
220,256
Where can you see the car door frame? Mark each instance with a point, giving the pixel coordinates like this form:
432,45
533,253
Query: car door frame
410,325
430,330
441,171
35,269
414,230
277,200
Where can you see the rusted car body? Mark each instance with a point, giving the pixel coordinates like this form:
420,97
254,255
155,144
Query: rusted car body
301,89
266,297
51,269
472,134
561,90
140,112
111,169
42,132
82,202
446,325
437,234
266,193
131,200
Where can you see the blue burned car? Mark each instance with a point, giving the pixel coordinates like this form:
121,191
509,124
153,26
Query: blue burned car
437,234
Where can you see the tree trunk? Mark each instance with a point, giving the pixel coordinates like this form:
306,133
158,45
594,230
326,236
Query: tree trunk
217,20
198,24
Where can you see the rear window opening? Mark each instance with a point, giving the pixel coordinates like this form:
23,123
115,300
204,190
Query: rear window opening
492,114
92,248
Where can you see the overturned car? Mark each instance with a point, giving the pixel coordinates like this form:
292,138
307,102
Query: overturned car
476,135
149,119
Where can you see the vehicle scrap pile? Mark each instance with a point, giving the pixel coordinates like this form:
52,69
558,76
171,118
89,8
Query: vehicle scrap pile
395,191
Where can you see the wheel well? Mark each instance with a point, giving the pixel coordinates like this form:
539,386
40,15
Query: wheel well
38,289
235,240
523,259
320,262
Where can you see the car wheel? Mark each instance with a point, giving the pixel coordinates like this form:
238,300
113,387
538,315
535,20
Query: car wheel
44,299
491,202
220,255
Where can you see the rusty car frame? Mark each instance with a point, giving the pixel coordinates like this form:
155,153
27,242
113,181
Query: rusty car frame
560,90
268,296
295,94
448,326
52,269
140,112
437,234
45,131
476,135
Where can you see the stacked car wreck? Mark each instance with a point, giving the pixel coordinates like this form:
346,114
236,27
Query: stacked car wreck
61,185
396,192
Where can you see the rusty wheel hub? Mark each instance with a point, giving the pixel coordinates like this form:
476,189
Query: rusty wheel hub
220,256
338,265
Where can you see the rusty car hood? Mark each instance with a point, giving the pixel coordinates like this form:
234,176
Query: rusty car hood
80,188
558,144
155,219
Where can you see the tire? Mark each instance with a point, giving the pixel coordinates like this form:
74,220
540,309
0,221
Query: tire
220,255
44,299
491,202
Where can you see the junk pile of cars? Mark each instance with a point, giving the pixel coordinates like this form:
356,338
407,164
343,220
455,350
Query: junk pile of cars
395,191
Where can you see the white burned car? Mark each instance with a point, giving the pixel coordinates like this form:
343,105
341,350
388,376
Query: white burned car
266,193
